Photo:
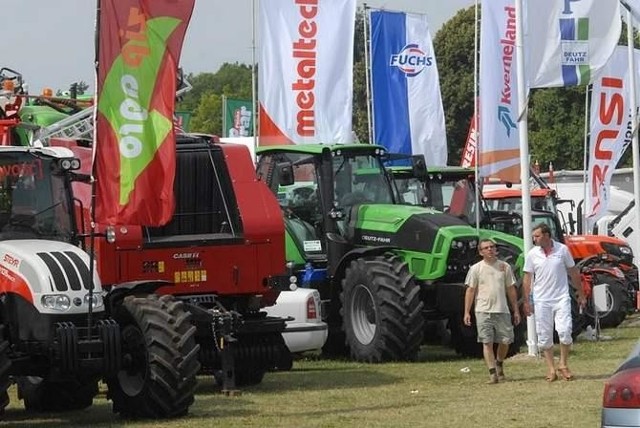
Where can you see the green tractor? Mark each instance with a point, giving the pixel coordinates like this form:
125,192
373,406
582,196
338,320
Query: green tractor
384,269
452,190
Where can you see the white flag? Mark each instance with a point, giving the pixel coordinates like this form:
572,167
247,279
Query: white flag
499,154
407,107
634,7
306,71
569,41
611,130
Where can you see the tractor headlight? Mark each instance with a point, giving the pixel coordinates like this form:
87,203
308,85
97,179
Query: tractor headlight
456,244
97,300
56,302
623,251
473,244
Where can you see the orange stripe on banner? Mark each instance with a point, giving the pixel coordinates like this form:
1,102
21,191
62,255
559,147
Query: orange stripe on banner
510,174
488,158
269,134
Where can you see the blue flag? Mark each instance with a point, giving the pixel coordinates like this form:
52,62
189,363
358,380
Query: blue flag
407,106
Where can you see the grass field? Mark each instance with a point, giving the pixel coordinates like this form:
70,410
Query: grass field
439,390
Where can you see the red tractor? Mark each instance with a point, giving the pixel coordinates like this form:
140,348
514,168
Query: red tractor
602,259
61,332
222,255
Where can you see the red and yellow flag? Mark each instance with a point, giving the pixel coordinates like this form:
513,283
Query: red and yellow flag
139,44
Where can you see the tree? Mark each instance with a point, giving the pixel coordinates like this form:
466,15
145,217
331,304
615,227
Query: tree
360,119
453,45
556,115
205,98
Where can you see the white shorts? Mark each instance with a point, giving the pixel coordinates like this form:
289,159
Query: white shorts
546,313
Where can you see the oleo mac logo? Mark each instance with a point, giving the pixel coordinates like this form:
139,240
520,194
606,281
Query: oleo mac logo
411,60
125,99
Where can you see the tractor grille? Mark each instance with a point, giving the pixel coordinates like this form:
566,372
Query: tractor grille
461,258
67,270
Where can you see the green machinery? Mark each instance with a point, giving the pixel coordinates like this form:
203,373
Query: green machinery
384,269
452,190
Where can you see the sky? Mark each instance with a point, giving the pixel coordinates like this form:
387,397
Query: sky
54,46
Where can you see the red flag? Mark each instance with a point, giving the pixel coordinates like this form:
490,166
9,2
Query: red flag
471,146
139,44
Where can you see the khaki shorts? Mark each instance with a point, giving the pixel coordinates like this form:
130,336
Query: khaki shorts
494,327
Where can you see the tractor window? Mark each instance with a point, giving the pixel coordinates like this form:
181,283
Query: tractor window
360,179
33,200
453,196
207,210
300,201
411,190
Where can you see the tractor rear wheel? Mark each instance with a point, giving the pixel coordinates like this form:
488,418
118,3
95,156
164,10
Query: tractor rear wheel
381,310
618,303
160,358
43,395
5,368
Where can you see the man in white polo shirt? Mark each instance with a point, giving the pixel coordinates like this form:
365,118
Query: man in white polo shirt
545,279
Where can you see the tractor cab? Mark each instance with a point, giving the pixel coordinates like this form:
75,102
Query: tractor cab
34,196
319,196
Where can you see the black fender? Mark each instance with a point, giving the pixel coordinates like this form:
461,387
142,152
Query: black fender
118,292
338,270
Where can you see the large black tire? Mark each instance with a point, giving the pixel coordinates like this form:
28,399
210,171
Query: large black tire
618,303
5,370
381,310
43,395
160,358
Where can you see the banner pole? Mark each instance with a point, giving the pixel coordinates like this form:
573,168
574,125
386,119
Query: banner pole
224,116
254,101
523,126
583,219
475,118
367,74
634,118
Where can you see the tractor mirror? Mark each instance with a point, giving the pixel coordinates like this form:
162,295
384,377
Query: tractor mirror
285,174
571,202
572,223
419,167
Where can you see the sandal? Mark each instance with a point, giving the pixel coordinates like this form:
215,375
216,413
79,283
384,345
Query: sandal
565,373
551,377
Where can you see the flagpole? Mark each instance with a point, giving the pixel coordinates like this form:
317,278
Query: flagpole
523,126
475,117
367,75
224,116
634,117
254,101
585,161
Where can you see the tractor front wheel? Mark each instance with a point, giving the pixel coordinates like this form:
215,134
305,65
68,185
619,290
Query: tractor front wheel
160,358
381,310
618,303
5,368
43,395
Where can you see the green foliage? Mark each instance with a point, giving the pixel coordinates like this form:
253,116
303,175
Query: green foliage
556,115
360,116
453,45
207,117
205,98
556,127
